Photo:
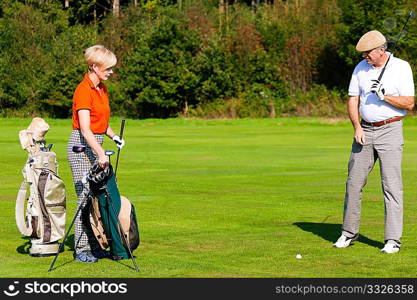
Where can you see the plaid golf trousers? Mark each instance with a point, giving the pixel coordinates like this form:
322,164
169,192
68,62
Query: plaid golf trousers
80,164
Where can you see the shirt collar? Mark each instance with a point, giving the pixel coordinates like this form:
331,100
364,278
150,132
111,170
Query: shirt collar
90,83
390,57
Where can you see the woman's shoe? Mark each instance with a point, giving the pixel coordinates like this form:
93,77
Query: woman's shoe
86,257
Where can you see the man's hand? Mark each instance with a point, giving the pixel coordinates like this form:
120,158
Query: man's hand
119,142
359,136
378,89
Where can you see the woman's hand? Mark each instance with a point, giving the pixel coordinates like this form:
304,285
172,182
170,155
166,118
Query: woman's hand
103,161
119,141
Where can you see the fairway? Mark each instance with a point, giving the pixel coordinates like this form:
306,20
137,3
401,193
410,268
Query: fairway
225,198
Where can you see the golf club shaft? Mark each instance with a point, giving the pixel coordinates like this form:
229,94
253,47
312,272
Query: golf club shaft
410,14
122,127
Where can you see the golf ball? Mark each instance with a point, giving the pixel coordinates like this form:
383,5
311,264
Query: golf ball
298,256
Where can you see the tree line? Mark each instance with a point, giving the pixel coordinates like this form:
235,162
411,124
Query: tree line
193,58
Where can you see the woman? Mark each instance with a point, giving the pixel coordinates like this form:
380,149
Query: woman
90,121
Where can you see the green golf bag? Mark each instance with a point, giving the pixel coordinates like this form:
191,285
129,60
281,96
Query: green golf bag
112,217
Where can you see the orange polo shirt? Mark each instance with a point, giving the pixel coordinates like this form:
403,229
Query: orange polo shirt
86,96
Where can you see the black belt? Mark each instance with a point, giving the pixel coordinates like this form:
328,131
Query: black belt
380,123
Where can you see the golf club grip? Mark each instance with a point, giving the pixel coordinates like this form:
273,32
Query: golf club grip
381,74
122,128
383,70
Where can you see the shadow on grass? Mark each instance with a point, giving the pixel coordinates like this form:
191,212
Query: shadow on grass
69,246
331,232
69,243
24,249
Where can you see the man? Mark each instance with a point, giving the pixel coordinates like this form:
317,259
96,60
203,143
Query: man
381,106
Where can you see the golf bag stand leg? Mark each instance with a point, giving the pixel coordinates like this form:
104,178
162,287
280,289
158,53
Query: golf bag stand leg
108,198
61,246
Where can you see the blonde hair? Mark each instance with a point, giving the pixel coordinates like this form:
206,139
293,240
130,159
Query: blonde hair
100,56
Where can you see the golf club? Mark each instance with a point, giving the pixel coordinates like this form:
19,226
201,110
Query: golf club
122,127
410,16
78,148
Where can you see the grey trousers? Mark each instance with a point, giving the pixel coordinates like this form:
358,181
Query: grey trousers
386,144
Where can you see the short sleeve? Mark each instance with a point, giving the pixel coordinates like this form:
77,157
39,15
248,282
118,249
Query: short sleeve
82,98
354,89
406,87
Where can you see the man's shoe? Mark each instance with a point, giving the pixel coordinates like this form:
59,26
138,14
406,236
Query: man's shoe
344,241
86,257
390,248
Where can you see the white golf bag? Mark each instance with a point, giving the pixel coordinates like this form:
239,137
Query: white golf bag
45,207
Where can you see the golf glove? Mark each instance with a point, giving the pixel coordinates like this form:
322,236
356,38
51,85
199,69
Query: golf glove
119,142
378,89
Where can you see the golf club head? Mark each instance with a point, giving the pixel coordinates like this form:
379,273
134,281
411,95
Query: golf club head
109,152
78,148
98,175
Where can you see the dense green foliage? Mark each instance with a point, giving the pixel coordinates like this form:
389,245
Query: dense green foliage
40,59
193,58
158,75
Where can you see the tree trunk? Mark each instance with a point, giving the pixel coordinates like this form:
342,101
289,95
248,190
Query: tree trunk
116,8
95,12
221,13
66,5
272,113
185,111
227,16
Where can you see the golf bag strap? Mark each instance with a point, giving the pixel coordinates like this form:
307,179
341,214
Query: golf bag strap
24,227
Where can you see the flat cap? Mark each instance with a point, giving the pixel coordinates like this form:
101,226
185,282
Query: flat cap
370,40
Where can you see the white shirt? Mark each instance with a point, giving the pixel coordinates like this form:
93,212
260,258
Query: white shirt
397,81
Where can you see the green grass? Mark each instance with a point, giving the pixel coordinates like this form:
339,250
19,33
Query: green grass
226,198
